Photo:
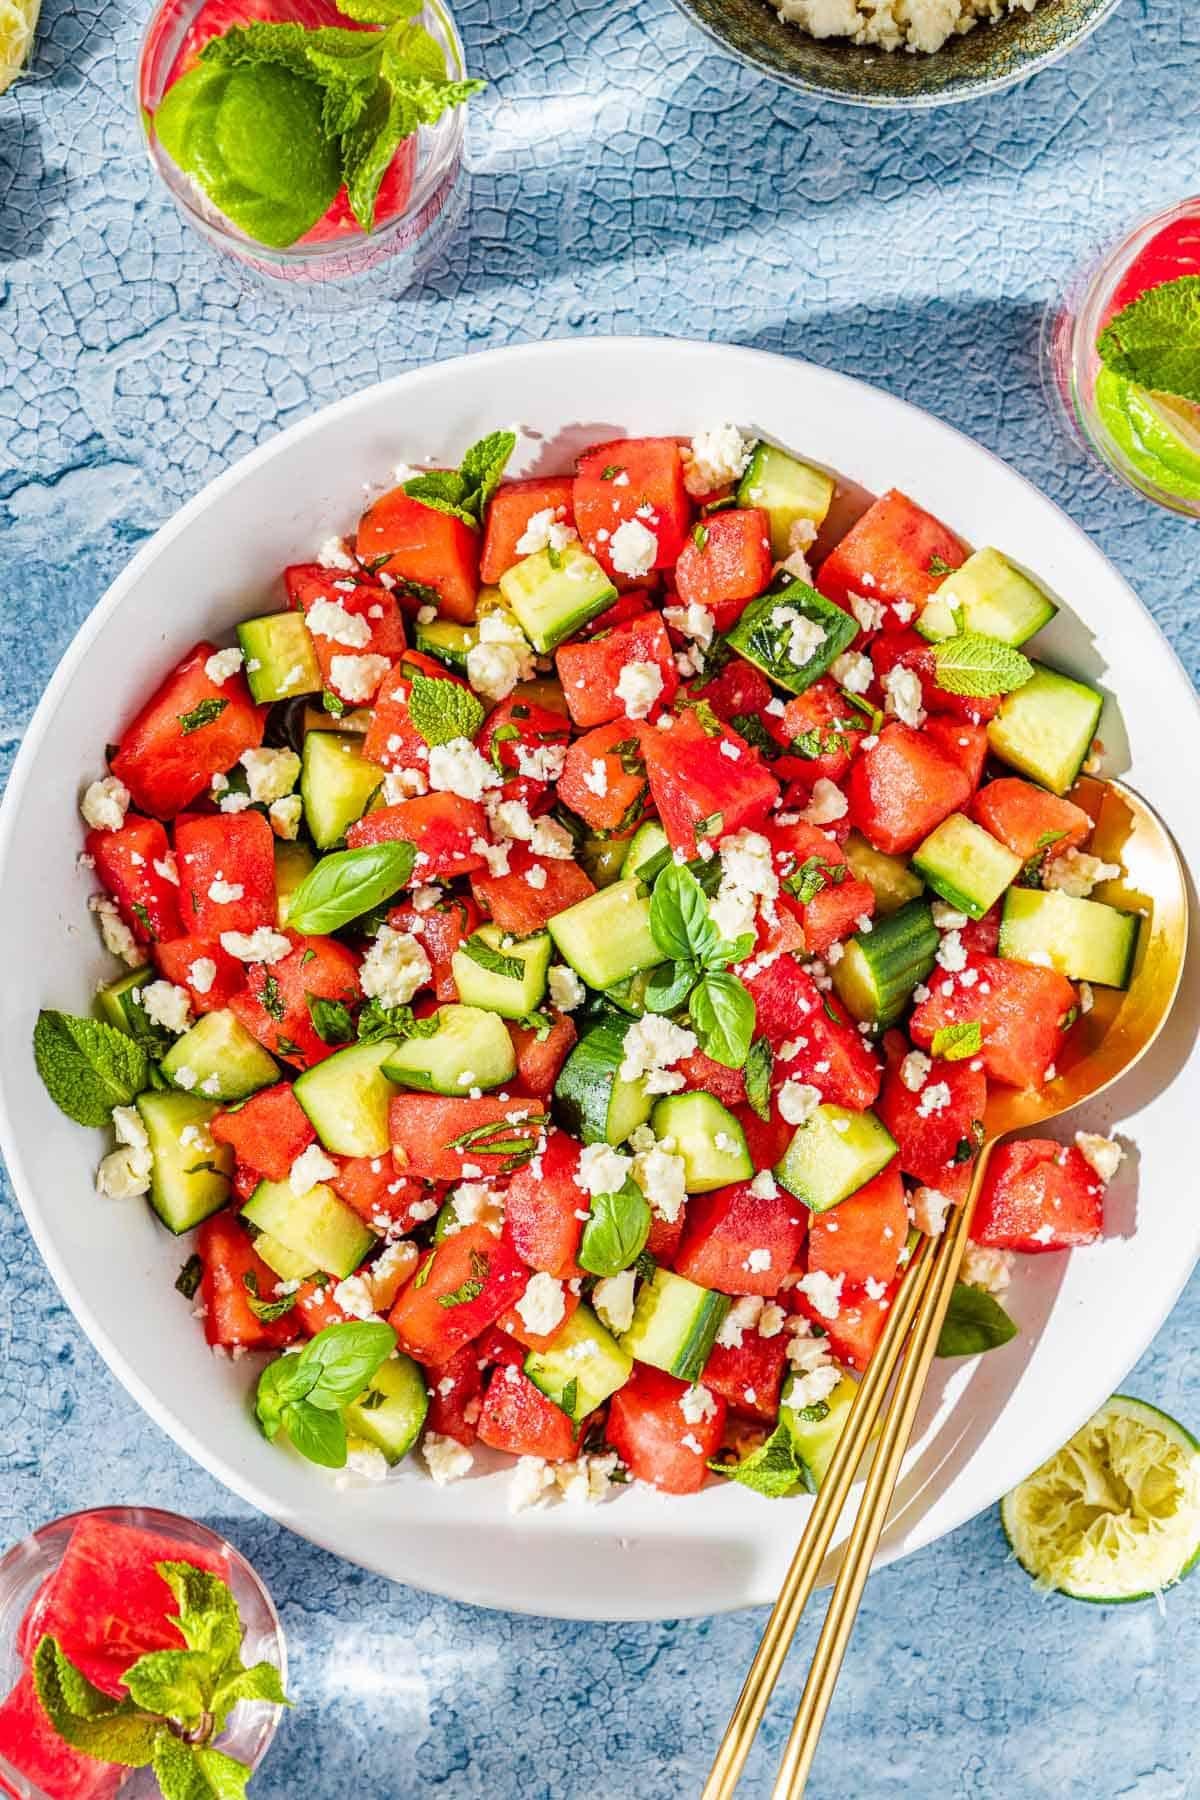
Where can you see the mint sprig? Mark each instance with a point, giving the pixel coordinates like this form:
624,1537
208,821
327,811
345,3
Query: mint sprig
954,1043
442,710
720,1008
1155,340
178,1701
773,1470
464,492
978,667
304,1394
88,1067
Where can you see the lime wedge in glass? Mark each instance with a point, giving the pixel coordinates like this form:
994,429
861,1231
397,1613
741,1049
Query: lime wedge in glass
18,21
1126,410
1115,1515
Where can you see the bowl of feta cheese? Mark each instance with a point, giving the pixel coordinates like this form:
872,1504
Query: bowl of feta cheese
897,53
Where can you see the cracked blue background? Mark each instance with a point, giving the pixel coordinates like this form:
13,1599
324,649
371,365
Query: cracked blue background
625,178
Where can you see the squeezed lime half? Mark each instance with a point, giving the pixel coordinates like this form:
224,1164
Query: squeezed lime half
1115,1514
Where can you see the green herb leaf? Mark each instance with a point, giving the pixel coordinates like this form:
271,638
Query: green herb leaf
679,920
568,1399
700,536
974,1322
345,1357
190,1276
202,715
814,873
261,1682
772,1470
266,1310
1034,867
669,985
979,666
207,1614
330,1019
281,1383
348,883
751,728
443,710
953,1043
939,566
1155,340
317,1433
88,1067
616,1231
379,12
760,1061
465,492
271,999
722,1013
104,1728
471,1289
510,968
197,1772
175,1683
377,1021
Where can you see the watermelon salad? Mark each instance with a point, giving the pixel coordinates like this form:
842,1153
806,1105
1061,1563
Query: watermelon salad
577,923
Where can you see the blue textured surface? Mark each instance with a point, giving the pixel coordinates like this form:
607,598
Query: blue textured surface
626,178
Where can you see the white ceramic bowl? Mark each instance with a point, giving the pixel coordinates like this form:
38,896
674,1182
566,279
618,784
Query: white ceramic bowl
1085,1318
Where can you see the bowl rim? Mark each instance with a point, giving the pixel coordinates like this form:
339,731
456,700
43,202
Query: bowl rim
908,1530
956,95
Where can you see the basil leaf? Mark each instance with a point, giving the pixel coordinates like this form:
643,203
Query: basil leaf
974,1322
202,715
330,1019
729,950
760,1061
814,873
88,1067
616,1231
679,920
669,986
283,1381
773,1470
722,1013
348,883
442,710
317,1432
346,1357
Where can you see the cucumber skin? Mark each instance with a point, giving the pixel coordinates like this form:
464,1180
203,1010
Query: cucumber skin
585,1081
899,952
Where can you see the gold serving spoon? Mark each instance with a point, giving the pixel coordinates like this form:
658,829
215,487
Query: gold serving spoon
1103,1045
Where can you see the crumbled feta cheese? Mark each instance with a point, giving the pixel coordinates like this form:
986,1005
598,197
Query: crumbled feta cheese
125,1172
259,946
984,1268
1104,1154
952,953
446,1459
602,1170
692,621
222,664
771,1320
826,803
696,1403
714,459
309,1168
357,678
184,1078
458,768
105,804
805,636
748,881
270,774
352,1294
566,989
904,610
902,691
475,1203
853,671
935,1097
662,1177
118,939
929,1209
500,658
332,555
595,778
798,1101
869,613
394,967
633,549
742,1317
285,816
222,892
529,1483
764,1186
652,1044
915,1070
545,531
168,1005
1044,1234
613,1300
201,974
587,1480
816,1385
757,1262
802,535
825,1292
638,687
690,1441
1076,873
544,762
946,917
329,619
364,1461
542,1306
535,875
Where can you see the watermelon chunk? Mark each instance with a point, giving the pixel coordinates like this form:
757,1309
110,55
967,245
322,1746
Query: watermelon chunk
1038,1195
902,788
30,1744
658,1443
1020,1011
896,551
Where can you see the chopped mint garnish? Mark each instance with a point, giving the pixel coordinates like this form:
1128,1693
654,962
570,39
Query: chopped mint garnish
1155,340
442,710
954,1043
979,666
773,1469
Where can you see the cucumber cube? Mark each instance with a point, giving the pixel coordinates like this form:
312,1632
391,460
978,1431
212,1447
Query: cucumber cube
317,1226
469,1049
889,877
391,1412
280,659
1045,729
708,1138
793,636
786,490
832,1155
593,1101
346,1098
553,593
675,1324
219,1059
500,973
336,784
986,594
191,1173
1085,940
966,865
583,1366
607,936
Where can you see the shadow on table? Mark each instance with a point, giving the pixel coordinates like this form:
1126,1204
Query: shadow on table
31,192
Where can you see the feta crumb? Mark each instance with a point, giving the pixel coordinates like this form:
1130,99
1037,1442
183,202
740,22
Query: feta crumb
652,1044
602,1170
1104,1154
222,892
697,1404
458,768
989,1269
260,946
222,664
915,1070
798,1101
566,989
805,636
357,678
662,1177
595,779
1044,1234
869,613
613,1300
692,621
542,1307
270,774
285,815
545,531
691,1442
529,1483
826,803
935,1097
201,974
946,917
902,691
952,953
929,1209
118,939
125,1172
853,671
332,555
771,1320
714,459
748,882
1076,873
764,1186
445,1458
105,804
501,657
742,1316
329,619
638,687
394,967
309,1168
813,1386
825,1292
168,1005
757,1262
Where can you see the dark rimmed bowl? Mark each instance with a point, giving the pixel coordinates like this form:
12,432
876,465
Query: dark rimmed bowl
983,61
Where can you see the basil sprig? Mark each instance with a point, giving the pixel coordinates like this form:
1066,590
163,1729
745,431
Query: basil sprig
348,883
616,1231
974,1322
720,1008
304,1394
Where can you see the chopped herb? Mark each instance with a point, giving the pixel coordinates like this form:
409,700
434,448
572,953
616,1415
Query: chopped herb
469,1290
266,1310
554,557
939,566
814,873
700,536
190,1276
750,727
201,715
271,1000
143,918
1034,869
610,471
377,1021
503,734
710,826
954,1043
757,1075
332,704
287,1046
629,754
424,1272
330,1018
372,1400
707,719
569,1398
509,968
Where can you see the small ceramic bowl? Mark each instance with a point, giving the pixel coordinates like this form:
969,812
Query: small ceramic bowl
982,61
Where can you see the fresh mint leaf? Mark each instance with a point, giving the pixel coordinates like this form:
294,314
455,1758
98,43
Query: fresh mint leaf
1034,868
260,1682
472,1288
760,1062
391,115
197,1772
939,566
344,64
978,667
443,710
441,489
616,1231
175,1683
750,727
207,1614
271,999
509,968
190,1276
348,883
379,12
814,873
974,1322
464,492
669,985
202,715
679,920
346,1357
377,1021
266,1310
114,1732
87,1067
722,1012
330,1019
1155,340
485,462
773,1470
954,1043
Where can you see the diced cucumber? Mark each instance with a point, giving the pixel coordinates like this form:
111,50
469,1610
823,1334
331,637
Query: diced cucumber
889,877
833,1154
391,1412
988,595
280,658
649,850
552,598
966,865
607,936
630,995
471,1048
1045,729
294,862
675,1324
1085,940
814,1439
218,1058
346,1098
880,968
786,490
603,859
583,1366
593,1101
764,633
316,1225
446,641
336,784
191,1173
502,973
119,1003
707,1136
287,1264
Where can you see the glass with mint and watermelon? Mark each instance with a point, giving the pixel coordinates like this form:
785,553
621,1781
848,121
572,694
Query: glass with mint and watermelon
140,1655
1124,357
318,144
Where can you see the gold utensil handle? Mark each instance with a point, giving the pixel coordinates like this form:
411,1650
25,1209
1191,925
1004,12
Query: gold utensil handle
814,1543
876,1500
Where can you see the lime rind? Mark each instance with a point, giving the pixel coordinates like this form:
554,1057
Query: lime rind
1114,1516
1125,412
